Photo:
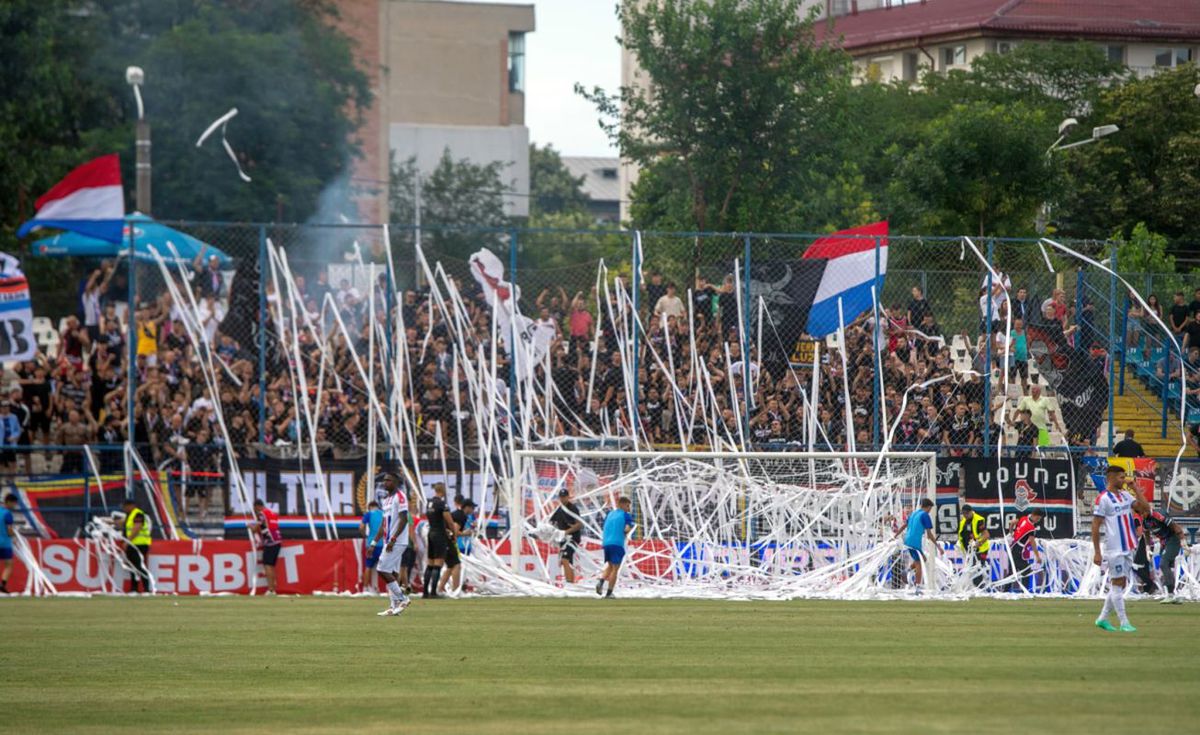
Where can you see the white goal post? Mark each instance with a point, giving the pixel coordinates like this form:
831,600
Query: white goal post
763,524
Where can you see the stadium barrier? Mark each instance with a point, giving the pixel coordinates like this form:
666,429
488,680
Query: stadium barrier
197,567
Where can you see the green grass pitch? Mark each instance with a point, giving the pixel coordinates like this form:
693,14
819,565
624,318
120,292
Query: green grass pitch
322,665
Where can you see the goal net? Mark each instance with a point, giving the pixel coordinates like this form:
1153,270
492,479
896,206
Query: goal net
766,525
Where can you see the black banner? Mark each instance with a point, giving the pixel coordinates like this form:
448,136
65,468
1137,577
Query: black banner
787,289
1025,484
1077,380
286,483
949,482
1181,492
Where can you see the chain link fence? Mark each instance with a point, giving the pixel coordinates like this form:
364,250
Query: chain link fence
295,332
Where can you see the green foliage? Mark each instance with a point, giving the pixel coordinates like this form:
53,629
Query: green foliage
1148,172
1142,251
462,203
743,124
1064,79
280,62
552,189
981,169
47,107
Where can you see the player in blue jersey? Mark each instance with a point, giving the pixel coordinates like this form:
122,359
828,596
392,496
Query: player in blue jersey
617,524
372,533
918,527
8,531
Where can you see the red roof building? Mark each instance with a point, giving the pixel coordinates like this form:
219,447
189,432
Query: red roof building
895,42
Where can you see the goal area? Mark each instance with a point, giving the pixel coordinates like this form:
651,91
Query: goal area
762,525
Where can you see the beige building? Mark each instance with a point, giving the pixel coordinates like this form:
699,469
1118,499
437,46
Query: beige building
445,75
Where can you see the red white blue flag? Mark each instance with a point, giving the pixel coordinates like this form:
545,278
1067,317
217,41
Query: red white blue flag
852,267
88,201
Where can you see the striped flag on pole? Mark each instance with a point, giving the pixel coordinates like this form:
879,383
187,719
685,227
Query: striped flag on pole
89,201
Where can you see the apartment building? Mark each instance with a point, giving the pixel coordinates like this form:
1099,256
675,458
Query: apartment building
445,75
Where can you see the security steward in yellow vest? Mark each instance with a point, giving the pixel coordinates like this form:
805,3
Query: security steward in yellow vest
973,538
137,546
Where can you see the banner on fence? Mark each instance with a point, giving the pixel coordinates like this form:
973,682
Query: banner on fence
58,506
1141,471
1023,484
17,342
949,482
1181,491
293,488
1077,379
194,567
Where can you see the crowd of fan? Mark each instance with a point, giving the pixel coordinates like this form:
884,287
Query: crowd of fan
78,394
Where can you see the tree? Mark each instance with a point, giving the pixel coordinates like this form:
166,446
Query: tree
1063,79
740,110
462,203
289,72
552,188
982,169
47,106
1145,173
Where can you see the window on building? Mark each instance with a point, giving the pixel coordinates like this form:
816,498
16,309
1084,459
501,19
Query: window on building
1115,54
608,173
1171,57
912,66
954,56
876,67
1005,47
516,62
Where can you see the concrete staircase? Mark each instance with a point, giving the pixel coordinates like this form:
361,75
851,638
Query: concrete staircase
1139,409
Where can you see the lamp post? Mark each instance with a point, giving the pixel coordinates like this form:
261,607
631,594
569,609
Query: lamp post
135,77
1064,129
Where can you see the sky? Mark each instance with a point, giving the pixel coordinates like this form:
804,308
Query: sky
575,41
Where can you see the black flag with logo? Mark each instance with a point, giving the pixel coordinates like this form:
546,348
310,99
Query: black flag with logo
787,289
1077,379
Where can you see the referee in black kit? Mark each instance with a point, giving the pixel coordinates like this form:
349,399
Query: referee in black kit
566,519
441,528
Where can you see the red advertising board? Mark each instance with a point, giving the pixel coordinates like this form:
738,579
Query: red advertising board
195,567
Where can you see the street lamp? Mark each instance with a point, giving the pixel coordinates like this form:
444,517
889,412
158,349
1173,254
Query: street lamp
1065,128
1068,125
135,77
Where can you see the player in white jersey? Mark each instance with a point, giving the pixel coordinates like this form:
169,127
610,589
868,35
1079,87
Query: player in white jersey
395,534
1114,510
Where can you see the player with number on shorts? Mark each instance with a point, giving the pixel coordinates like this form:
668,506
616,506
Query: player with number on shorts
1114,510
395,535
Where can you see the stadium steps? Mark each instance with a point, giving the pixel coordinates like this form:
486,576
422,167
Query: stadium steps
1130,411
211,524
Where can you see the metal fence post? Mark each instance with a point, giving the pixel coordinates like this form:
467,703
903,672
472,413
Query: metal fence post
1080,286
1166,388
987,361
513,241
132,335
877,409
637,288
746,332
262,333
1112,343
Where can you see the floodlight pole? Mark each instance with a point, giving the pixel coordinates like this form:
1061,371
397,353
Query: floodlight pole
135,77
